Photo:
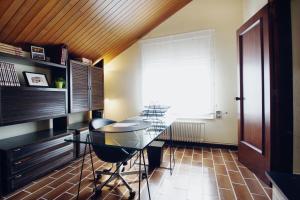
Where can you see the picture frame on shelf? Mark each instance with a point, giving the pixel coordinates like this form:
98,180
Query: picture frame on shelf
37,53
34,79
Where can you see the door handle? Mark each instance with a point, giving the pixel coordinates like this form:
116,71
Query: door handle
238,98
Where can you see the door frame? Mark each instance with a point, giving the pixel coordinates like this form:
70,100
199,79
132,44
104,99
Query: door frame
281,86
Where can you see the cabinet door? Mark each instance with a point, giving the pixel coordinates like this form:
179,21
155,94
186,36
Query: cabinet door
79,92
97,89
24,104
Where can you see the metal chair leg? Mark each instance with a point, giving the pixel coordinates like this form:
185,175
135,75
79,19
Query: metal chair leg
125,183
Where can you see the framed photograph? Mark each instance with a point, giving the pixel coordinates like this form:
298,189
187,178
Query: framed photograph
37,53
36,79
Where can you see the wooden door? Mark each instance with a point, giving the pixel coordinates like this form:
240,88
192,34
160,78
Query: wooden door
79,87
254,89
96,88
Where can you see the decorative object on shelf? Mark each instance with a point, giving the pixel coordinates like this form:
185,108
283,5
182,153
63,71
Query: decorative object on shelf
8,75
60,83
37,53
57,53
85,60
36,79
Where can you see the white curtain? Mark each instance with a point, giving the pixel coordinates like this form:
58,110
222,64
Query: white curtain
178,71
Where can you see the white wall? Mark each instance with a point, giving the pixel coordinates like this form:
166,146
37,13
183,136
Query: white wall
295,5
123,74
250,7
122,81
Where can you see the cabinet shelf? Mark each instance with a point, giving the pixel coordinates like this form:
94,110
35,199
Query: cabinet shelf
32,138
28,61
24,88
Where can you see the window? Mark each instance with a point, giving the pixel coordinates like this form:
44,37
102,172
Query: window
178,71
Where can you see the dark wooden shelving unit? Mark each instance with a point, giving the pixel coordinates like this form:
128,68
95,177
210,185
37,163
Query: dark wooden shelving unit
27,157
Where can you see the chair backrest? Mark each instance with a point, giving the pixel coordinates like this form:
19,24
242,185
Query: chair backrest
107,154
100,122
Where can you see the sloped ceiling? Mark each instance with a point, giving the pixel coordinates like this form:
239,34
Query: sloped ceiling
91,28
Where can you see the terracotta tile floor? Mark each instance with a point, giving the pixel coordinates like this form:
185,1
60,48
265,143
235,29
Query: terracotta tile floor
200,173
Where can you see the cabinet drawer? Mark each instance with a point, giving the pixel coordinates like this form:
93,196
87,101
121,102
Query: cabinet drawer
21,179
31,162
22,152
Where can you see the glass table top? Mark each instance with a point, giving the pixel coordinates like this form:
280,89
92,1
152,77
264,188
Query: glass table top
143,132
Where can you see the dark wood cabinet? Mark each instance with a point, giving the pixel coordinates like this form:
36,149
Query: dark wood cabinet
96,88
86,87
24,104
27,157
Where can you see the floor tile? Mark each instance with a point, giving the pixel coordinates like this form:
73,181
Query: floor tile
18,195
231,166
241,192
35,186
246,173
226,194
65,196
260,197
37,194
223,182
220,169
208,163
254,186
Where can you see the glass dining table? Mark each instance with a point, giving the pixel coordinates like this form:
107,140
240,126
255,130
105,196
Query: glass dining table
135,133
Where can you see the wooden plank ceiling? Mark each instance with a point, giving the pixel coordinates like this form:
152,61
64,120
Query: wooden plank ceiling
91,28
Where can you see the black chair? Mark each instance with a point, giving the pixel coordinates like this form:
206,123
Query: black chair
117,156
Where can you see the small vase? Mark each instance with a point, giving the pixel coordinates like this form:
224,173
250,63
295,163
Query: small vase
59,84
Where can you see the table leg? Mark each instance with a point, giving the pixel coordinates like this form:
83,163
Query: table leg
91,157
146,175
140,163
171,151
80,177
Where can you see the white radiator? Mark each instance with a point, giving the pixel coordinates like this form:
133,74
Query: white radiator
186,130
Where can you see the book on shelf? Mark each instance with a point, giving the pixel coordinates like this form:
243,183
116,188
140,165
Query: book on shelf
8,75
9,49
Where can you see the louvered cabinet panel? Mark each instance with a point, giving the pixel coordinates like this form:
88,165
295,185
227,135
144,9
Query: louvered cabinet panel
97,89
20,104
79,84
